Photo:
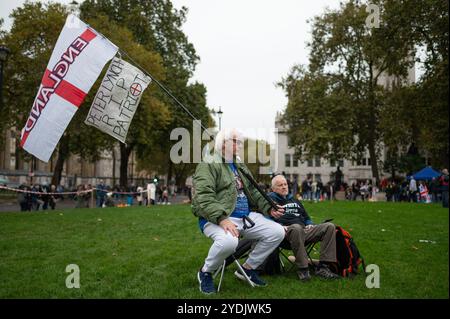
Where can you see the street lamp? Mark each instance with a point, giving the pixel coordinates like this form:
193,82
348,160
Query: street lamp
4,52
219,113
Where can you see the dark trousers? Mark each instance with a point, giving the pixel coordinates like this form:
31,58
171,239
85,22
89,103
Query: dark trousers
445,199
298,237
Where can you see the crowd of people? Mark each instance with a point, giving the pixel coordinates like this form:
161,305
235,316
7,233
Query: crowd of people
422,191
42,197
315,190
406,190
30,200
153,194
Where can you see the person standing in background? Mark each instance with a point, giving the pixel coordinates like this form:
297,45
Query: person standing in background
444,187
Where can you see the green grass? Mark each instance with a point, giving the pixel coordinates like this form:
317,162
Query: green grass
155,253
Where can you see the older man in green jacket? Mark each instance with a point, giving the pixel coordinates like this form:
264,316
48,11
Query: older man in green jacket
224,199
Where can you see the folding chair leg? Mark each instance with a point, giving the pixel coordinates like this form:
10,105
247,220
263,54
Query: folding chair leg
243,273
309,253
217,272
221,269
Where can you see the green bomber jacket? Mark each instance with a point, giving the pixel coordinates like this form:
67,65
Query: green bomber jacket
214,192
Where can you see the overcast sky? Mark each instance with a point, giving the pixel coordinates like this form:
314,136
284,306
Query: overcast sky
245,47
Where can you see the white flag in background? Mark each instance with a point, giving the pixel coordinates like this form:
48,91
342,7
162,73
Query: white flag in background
117,99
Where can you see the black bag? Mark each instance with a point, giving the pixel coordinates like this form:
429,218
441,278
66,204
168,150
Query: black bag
272,264
348,256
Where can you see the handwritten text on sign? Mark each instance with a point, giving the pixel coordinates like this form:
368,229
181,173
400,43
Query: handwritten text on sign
117,99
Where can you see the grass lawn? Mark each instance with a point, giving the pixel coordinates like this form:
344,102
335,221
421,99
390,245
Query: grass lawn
155,253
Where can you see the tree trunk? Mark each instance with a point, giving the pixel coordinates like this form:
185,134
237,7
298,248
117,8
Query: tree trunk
180,174
113,166
443,159
372,127
125,151
63,154
19,160
169,172
374,160
393,172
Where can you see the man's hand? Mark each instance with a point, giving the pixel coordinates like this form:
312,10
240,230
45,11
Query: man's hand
309,227
229,226
277,213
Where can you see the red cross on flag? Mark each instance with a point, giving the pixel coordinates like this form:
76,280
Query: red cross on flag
79,56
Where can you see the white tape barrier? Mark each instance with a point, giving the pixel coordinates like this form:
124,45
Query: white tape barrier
70,193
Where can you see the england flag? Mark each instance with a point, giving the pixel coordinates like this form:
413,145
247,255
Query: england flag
76,62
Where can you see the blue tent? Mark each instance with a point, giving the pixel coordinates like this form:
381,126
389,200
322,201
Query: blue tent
427,174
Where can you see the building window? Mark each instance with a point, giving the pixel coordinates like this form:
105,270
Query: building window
287,160
295,164
341,163
332,163
289,141
364,162
317,177
310,162
317,161
12,161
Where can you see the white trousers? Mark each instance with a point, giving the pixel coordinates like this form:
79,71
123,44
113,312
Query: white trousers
268,234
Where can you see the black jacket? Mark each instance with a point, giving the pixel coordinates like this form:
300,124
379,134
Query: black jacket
294,213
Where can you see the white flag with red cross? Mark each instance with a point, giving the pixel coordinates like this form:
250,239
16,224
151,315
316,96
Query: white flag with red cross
77,60
117,99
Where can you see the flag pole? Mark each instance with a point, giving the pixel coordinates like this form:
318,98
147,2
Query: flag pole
167,92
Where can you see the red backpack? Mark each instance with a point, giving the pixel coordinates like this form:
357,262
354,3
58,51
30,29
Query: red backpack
347,254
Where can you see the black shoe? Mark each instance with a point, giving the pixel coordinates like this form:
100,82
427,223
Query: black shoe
325,273
303,275
252,275
206,282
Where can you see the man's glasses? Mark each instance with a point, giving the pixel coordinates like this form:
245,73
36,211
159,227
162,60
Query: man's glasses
236,141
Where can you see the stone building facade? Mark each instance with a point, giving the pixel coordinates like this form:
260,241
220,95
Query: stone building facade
77,170
320,168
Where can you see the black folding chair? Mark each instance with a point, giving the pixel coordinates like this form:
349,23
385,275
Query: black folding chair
242,250
285,245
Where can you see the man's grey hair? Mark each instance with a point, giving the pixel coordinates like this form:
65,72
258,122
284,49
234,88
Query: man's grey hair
224,135
276,178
